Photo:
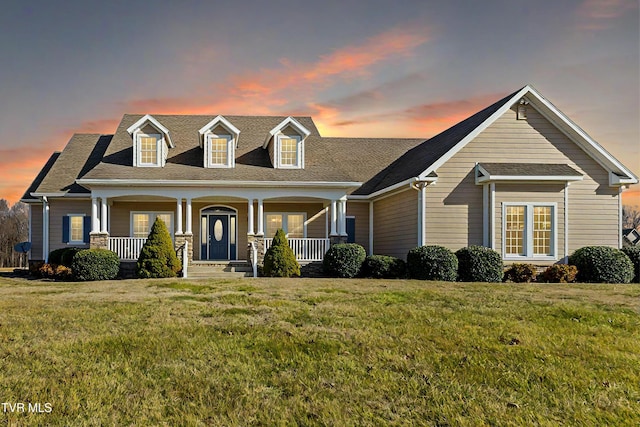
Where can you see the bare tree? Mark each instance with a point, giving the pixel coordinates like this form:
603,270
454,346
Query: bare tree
14,228
630,217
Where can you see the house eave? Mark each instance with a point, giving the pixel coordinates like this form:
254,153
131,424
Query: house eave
214,183
528,179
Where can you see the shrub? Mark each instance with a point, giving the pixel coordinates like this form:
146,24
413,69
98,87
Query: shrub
479,264
633,252
279,260
559,273
344,260
47,271
383,267
602,264
67,256
55,256
520,273
432,263
95,264
34,268
158,257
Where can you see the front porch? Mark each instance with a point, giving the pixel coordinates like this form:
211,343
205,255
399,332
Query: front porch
220,228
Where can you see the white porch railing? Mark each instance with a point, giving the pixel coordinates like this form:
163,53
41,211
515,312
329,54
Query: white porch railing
127,248
305,249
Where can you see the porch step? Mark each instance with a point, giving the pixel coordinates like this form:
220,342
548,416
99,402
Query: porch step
213,269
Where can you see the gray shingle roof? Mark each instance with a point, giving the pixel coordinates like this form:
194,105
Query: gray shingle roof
41,175
326,159
417,160
529,169
81,154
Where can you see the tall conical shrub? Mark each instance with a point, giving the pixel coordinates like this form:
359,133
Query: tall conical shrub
280,261
158,257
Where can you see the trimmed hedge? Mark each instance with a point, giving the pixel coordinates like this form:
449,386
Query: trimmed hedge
280,261
383,267
432,263
602,264
344,260
479,264
55,256
559,273
520,273
158,257
633,252
95,264
67,256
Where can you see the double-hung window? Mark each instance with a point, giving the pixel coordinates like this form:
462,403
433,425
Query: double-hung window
292,224
219,147
141,222
529,230
148,150
75,229
289,151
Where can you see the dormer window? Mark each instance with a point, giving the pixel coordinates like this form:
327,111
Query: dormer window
285,144
149,149
151,142
289,150
218,149
219,139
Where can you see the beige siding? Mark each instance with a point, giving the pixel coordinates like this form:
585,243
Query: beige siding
454,204
36,231
395,224
360,210
58,209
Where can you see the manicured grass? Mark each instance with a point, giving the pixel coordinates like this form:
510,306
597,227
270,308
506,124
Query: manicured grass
319,352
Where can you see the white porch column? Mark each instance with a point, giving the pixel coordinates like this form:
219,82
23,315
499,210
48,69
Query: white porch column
343,217
492,216
250,229
179,215
95,225
45,229
103,214
188,213
260,218
333,218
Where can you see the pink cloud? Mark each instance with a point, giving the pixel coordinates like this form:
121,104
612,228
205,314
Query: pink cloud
597,15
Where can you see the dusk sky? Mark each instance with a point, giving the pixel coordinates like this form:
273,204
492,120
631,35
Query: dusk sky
359,68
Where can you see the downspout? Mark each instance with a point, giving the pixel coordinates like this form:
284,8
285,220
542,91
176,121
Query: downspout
45,229
420,187
620,190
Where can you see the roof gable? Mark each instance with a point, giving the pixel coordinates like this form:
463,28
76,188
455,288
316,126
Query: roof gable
219,120
147,118
289,121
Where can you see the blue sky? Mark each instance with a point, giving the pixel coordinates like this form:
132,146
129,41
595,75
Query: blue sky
360,68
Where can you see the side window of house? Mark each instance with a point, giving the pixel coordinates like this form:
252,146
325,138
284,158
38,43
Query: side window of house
529,230
75,229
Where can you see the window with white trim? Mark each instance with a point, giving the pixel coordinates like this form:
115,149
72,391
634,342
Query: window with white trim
149,151
219,151
141,222
289,151
293,224
76,228
529,230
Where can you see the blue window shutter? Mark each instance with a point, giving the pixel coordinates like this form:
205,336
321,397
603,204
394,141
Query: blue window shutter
65,229
86,228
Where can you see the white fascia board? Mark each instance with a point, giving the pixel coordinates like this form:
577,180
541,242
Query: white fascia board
214,183
616,180
219,120
520,178
488,122
578,135
408,182
288,121
147,118
56,194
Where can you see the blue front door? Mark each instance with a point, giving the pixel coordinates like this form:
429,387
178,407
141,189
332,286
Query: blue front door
218,237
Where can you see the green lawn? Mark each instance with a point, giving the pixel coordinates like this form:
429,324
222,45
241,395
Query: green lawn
319,352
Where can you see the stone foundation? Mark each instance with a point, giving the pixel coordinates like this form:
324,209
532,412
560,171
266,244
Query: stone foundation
334,240
260,246
179,243
99,240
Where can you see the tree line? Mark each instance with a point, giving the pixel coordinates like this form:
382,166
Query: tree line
14,228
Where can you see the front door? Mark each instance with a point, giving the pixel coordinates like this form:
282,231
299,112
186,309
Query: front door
218,237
